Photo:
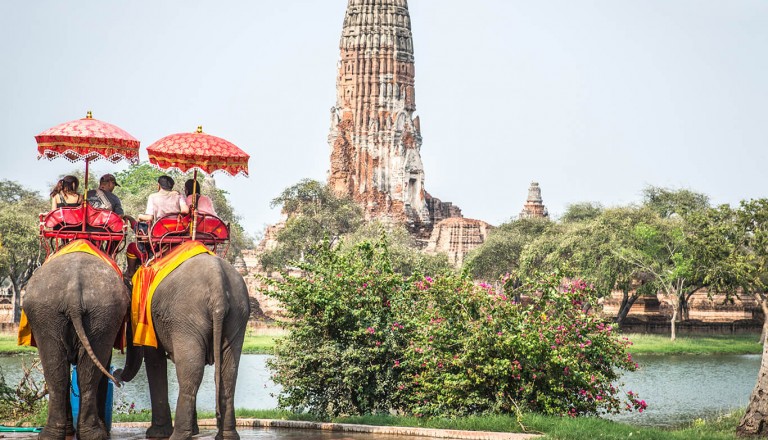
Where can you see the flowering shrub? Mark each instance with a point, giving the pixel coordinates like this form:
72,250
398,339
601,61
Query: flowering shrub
366,340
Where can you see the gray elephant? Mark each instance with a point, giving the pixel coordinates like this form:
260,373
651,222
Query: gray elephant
75,304
200,313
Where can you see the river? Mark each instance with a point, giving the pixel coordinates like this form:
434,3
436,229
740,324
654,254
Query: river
678,389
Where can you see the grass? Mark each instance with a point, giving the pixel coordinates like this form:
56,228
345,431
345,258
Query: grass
725,344
8,345
258,344
552,427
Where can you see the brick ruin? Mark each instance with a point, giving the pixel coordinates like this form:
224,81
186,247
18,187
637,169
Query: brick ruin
534,206
375,139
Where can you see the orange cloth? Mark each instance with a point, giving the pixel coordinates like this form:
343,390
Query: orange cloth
146,280
25,330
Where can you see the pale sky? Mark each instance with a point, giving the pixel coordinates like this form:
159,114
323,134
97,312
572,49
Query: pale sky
592,99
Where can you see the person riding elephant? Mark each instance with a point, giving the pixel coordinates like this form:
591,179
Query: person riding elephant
200,312
75,304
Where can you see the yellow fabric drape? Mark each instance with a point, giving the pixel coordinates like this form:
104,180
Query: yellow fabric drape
146,280
25,330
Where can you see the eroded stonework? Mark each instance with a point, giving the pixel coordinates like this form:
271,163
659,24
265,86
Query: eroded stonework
456,237
375,139
534,206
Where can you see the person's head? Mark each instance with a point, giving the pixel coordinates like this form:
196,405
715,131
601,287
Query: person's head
192,185
165,182
108,182
66,185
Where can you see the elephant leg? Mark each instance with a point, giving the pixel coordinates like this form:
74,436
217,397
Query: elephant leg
156,365
226,420
92,384
53,357
190,366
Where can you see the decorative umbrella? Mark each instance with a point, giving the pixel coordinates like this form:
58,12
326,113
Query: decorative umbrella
198,151
87,139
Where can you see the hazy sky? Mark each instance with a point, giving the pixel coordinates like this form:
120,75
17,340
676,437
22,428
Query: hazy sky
593,99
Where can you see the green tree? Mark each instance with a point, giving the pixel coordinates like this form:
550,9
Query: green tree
20,251
583,211
591,249
312,212
500,254
666,201
406,258
752,216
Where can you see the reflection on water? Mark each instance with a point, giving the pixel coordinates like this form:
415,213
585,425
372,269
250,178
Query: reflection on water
678,389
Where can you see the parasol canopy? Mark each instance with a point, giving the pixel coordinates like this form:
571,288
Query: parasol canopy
87,139
198,151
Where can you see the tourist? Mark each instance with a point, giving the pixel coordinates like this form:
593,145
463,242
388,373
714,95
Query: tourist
64,194
164,202
104,198
203,204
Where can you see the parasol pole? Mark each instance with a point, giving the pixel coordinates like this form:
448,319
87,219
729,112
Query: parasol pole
88,115
85,191
194,204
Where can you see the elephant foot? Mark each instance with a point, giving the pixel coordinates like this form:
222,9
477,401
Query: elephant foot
98,433
49,433
156,431
227,435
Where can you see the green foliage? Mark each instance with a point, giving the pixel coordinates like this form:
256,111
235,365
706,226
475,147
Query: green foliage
500,254
583,211
665,201
366,340
405,257
19,242
313,213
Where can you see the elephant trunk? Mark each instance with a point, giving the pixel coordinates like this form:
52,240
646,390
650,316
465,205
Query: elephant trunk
134,356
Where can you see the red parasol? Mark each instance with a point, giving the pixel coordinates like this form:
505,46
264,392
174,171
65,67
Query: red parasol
198,151
87,139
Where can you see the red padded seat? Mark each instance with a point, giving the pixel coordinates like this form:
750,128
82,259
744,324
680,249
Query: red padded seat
169,226
209,226
63,218
104,219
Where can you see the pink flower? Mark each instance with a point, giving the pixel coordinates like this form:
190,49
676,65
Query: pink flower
371,330
397,363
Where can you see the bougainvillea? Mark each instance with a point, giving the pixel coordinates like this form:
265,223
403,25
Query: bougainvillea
366,340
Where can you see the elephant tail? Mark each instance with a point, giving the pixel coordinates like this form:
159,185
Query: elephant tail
77,323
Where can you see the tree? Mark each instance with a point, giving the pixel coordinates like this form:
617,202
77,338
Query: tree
583,211
590,248
20,251
313,212
753,216
406,258
665,201
500,254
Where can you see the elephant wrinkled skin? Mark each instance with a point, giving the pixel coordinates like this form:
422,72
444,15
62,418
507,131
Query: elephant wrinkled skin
75,304
200,313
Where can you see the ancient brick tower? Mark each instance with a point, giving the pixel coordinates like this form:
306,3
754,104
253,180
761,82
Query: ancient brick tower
534,206
375,139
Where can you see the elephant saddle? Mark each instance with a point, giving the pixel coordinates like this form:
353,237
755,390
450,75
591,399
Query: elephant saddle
25,330
146,280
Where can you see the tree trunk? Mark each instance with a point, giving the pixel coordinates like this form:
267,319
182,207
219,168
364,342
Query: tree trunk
626,305
764,308
672,335
755,420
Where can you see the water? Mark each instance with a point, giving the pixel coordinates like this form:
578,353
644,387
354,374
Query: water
678,389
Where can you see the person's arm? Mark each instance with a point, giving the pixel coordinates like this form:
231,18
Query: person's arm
183,207
148,212
117,206
53,203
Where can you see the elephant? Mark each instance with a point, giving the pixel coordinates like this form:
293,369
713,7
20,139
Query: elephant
200,312
75,304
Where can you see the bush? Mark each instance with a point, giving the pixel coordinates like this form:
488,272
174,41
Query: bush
366,340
